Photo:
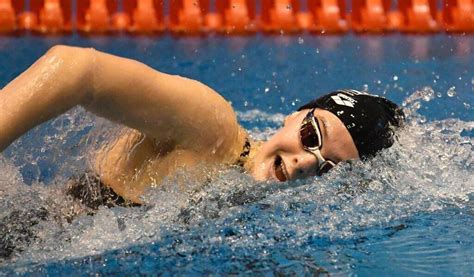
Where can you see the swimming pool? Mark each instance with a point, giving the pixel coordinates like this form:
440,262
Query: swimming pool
410,211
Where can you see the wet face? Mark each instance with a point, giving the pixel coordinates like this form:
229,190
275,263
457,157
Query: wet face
284,158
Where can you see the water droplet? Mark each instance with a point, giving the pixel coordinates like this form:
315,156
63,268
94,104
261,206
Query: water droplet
300,40
317,52
239,69
395,78
467,105
246,103
416,106
274,74
439,95
451,91
365,88
428,93
267,90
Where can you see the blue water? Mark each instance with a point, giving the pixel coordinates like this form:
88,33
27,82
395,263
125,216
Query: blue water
410,211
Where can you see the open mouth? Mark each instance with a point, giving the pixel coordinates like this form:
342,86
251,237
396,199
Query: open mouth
280,170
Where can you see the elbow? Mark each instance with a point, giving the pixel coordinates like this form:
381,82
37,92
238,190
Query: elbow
76,66
68,51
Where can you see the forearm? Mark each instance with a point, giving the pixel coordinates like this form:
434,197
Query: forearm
167,108
52,85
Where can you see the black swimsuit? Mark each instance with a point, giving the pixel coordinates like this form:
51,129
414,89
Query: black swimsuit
91,192
244,154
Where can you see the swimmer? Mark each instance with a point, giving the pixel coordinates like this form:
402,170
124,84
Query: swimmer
172,122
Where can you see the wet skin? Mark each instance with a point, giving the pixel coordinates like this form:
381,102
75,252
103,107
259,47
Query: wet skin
283,157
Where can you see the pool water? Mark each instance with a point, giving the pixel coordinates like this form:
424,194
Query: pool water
408,211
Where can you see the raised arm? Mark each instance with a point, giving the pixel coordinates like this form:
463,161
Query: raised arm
165,107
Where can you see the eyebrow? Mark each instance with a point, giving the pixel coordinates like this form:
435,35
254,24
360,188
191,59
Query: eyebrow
324,121
325,129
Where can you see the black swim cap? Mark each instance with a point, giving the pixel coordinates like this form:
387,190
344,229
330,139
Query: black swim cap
370,119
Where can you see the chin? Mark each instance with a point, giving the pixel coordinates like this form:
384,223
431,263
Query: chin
261,171
258,173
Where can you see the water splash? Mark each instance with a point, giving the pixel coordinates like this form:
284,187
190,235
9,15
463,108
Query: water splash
233,224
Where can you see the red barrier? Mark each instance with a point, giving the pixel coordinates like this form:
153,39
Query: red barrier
328,15
370,15
8,15
52,15
238,16
416,16
280,15
187,16
120,21
458,15
146,15
95,15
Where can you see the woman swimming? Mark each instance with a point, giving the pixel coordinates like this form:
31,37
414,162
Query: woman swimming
178,123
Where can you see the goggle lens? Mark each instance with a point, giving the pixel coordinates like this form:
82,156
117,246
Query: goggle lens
308,135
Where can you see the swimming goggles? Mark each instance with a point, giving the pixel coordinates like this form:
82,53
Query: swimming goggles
312,141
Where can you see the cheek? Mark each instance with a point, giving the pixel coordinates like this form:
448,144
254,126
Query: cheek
268,149
284,140
289,140
260,172
341,148
288,134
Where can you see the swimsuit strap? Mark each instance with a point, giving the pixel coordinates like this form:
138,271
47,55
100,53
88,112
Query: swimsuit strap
244,154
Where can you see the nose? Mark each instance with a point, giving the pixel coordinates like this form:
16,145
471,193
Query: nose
302,165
